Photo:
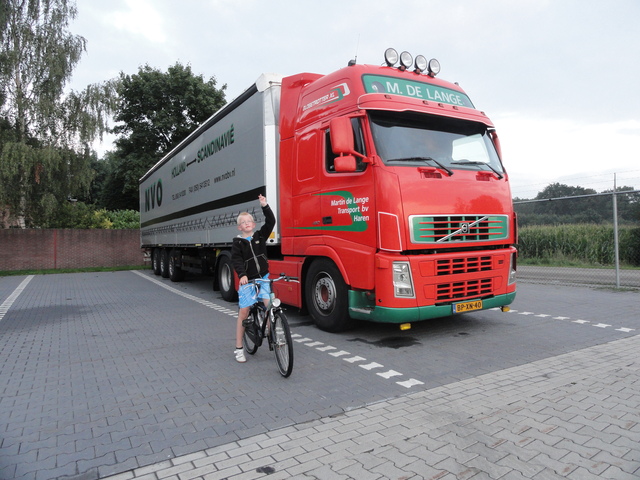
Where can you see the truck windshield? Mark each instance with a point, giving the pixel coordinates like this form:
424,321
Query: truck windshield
417,139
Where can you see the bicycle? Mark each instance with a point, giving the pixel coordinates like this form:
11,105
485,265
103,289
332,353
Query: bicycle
271,323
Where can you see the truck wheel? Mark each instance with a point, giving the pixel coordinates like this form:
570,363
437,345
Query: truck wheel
226,282
164,263
176,274
327,296
155,261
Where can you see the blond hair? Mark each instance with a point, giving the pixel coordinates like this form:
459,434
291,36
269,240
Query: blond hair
245,214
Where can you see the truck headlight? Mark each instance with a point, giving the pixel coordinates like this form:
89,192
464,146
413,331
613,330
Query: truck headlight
402,281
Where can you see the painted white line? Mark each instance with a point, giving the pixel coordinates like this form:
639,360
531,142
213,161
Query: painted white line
6,305
303,340
371,366
354,359
579,321
201,301
389,374
325,349
339,354
410,383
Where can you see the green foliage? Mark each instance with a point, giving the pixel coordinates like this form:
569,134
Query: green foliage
124,219
36,180
584,243
38,57
82,215
565,205
630,246
155,112
45,134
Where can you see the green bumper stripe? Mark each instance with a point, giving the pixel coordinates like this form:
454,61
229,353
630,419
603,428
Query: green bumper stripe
361,309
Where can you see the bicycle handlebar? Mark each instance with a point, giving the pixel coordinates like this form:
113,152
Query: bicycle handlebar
282,276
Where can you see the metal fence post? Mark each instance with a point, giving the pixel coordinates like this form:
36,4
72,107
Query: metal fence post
615,232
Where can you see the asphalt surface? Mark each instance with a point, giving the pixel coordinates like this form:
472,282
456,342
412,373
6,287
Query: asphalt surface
124,375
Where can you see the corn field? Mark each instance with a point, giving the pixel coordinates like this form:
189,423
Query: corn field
586,244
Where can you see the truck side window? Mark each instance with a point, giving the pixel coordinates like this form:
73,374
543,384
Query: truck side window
358,142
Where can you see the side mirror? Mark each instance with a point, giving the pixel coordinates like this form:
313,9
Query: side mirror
345,164
341,136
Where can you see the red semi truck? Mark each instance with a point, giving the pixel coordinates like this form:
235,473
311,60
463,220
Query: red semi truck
391,199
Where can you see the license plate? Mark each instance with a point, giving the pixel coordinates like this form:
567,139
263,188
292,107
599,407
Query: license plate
467,306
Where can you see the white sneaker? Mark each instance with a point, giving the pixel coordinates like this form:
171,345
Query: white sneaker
239,353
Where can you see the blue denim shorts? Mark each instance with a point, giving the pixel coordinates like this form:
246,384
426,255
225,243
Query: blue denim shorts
248,294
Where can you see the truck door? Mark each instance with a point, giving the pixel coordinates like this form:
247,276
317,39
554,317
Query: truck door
305,184
347,203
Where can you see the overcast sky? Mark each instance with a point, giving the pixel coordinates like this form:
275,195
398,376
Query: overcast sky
559,78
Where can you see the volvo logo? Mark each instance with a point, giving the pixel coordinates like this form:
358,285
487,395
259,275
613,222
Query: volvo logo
464,229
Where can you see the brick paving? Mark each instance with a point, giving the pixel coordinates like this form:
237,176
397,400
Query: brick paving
109,376
574,416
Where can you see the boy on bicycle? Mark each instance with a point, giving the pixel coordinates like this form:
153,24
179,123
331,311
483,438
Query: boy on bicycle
249,259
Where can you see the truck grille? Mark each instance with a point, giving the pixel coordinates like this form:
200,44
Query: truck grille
452,266
465,289
458,228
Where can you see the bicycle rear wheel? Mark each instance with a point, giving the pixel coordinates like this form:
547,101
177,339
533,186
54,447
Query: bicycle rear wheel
251,337
282,343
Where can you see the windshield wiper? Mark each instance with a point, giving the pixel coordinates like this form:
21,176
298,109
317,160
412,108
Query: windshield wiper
469,162
423,159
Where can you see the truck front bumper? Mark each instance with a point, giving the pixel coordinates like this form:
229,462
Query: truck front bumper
360,309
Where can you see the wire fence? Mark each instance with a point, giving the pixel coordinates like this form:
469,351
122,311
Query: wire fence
589,239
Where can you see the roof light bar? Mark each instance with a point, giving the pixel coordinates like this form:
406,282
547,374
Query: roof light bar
391,58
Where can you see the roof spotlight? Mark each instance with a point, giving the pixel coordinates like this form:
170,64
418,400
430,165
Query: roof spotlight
434,67
421,64
391,57
405,60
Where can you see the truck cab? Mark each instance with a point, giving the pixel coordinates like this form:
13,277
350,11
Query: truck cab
395,196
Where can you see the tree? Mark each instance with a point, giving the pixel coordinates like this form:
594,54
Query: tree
46,135
155,112
587,208
627,204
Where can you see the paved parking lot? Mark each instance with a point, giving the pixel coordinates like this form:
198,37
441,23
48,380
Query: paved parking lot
572,416
112,374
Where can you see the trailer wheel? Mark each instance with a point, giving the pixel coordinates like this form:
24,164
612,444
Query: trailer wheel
155,261
225,281
176,274
327,296
164,263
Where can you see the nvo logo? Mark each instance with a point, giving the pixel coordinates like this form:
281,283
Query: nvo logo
153,196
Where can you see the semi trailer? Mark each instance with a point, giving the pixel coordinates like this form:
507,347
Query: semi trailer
391,198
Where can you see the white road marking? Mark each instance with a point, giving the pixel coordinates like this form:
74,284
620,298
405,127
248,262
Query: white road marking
6,305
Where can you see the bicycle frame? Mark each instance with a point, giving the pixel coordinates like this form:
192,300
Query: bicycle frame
271,323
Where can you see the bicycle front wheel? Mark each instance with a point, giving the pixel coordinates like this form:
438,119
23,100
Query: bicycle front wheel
282,343
251,337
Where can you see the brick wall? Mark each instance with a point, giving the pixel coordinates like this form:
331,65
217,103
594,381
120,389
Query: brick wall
33,249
